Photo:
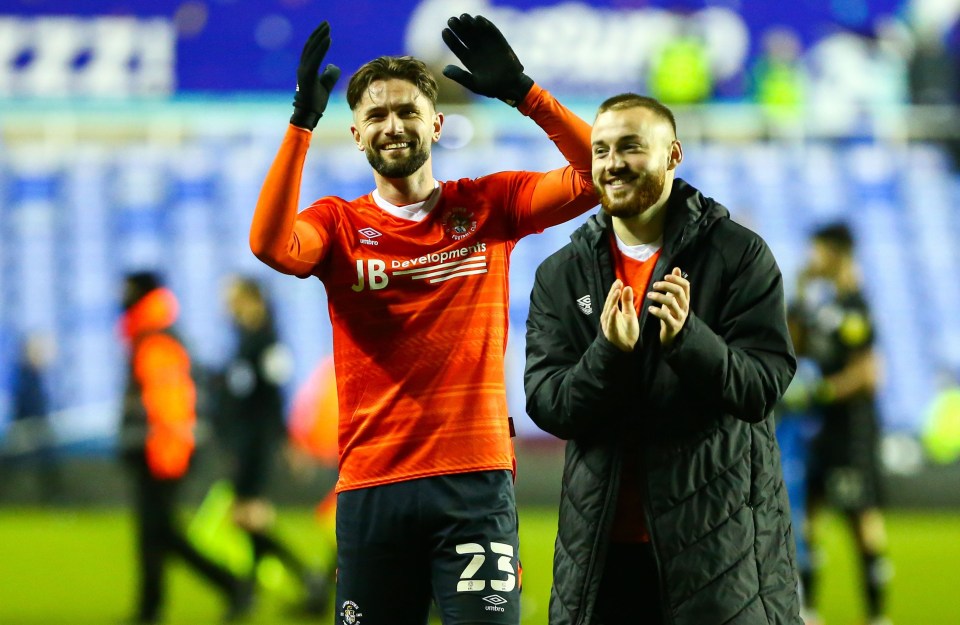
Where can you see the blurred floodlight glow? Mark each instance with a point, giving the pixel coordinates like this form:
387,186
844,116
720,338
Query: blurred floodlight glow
190,19
273,32
457,131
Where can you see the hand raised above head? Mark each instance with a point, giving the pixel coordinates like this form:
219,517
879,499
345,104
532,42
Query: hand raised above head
493,68
313,91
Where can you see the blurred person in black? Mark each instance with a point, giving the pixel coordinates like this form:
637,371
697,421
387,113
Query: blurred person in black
157,443
252,424
834,329
30,442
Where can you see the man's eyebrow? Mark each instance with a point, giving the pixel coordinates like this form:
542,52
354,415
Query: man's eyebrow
378,108
633,137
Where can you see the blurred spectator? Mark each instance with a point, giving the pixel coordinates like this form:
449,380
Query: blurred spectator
680,71
778,78
31,442
941,427
836,332
858,80
157,443
254,429
313,436
935,82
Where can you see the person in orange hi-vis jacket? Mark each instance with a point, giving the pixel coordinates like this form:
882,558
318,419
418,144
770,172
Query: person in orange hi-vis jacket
157,442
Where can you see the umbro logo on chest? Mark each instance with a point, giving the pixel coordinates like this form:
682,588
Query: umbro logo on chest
369,234
585,305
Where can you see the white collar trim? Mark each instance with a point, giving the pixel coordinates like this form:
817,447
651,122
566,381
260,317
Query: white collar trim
412,212
642,252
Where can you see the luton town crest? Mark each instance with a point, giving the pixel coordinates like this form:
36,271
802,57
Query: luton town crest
459,223
350,613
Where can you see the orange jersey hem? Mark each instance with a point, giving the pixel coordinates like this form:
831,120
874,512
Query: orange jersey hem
416,476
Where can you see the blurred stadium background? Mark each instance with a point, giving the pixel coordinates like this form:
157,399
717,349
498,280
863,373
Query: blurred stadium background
136,136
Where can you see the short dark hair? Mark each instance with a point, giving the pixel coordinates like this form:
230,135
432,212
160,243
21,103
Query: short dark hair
837,235
633,100
406,68
138,284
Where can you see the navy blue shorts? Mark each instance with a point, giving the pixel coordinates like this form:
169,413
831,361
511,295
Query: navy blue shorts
451,539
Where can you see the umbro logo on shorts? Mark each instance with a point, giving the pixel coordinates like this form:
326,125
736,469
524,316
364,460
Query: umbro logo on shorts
495,599
585,306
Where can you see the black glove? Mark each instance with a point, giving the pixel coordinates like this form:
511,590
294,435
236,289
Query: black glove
313,91
493,69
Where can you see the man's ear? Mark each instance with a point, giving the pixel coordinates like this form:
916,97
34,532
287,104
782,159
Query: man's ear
356,137
437,125
676,155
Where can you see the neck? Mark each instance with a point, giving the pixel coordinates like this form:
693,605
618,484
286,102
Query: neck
647,227
252,319
416,187
847,279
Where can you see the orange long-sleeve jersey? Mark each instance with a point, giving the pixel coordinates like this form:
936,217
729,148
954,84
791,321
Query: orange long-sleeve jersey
418,300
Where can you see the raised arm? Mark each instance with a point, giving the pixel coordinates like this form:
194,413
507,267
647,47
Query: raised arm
277,237
563,193
494,70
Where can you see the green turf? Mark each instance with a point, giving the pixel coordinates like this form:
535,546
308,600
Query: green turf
77,568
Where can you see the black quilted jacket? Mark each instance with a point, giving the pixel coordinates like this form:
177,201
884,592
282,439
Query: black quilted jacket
716,507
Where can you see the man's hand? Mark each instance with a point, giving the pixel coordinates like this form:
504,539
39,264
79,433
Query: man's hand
618,321
493,69
313,91
673,295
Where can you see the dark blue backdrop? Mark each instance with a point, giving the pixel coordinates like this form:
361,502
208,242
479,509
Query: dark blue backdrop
217,48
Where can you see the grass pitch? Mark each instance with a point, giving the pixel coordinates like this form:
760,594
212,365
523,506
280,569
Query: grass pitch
77,567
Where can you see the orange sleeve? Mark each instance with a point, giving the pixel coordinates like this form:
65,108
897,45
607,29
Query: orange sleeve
278,237
162,368
560,194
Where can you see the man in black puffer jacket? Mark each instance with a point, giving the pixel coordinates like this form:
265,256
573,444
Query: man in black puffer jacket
657,346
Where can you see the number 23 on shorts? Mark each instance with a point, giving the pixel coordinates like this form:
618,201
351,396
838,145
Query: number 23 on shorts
467,581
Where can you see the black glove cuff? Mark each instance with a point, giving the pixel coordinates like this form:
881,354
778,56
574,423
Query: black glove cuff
305,118
519,91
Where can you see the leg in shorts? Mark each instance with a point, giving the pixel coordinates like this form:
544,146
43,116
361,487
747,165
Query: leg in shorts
450,538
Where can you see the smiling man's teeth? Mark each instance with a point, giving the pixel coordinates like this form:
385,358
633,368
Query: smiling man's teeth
396,146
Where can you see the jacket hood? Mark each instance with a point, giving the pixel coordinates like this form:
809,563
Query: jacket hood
157,310
689,213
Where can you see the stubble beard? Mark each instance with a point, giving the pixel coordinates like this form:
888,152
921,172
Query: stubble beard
645,193
398,168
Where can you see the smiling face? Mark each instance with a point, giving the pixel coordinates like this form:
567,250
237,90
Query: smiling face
395,126
635,154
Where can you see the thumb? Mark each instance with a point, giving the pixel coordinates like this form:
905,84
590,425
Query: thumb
676,271
461,76
329,77
627,299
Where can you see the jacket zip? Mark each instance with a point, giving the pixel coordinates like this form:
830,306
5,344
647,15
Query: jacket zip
600,292
665,612
591,565
662,263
